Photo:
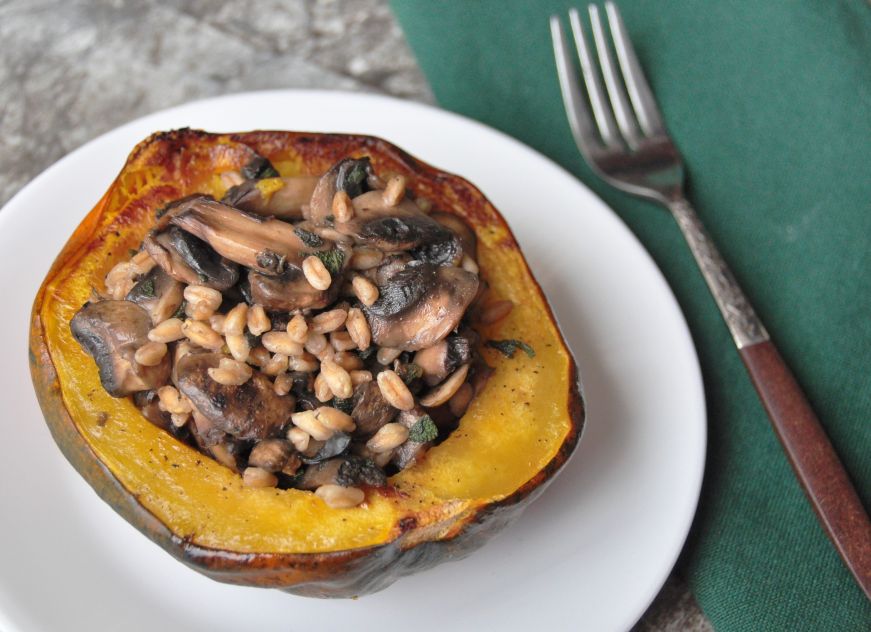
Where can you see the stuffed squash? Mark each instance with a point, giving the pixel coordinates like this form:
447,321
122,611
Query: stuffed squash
302,361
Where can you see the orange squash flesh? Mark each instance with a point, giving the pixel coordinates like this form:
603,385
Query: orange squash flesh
513,439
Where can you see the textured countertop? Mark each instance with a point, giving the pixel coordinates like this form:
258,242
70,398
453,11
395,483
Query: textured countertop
73,69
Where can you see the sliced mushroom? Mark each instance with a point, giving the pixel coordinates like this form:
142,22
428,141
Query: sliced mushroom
313,235
390,266
371,410
286,292
228,453
250,411
440,360
290,290
461,229
278,197
168,211
190,260
148,404
158,293
267,246
446,250
111,332
159,247
212,269
420,305
399,228
347,471
350,175
411,451
332,447
205,432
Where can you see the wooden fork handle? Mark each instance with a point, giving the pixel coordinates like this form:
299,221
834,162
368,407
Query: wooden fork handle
816,464
813,458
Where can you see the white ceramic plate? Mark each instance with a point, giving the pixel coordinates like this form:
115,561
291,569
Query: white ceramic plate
589,555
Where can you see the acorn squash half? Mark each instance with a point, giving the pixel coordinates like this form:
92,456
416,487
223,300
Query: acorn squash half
517,434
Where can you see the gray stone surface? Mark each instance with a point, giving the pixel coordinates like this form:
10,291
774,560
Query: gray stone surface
73,69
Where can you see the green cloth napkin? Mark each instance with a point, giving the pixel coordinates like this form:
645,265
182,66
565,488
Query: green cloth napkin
770,103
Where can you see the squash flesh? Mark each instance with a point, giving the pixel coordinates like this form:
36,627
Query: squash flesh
513,429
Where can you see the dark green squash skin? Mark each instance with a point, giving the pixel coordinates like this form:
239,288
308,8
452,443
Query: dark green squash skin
348,573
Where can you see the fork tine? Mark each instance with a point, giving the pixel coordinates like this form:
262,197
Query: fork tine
601,109
580,119
639,91
622,112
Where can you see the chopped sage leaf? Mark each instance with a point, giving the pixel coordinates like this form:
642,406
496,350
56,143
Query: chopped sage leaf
308,238
147,287
180,312
333,260
509,347
423,430
353,175
410,372
258,169
132,253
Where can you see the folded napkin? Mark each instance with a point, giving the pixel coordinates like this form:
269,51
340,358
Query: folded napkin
770,103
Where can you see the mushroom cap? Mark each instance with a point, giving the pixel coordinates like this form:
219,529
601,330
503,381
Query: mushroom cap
440,360
399,228
347,471
419,305
267,246
111,332
371,410
350,175
286,202
250,411
190,260
158,293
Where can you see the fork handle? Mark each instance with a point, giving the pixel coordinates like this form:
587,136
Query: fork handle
816,464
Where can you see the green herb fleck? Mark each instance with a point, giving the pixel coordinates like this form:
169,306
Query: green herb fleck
132,252
180,312
333,260
146,287
308,238
162,210
203,278
423,430
330,219
258,169
352,176
346,405
509,347
410,372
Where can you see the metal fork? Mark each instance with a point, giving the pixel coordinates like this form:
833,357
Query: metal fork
620,133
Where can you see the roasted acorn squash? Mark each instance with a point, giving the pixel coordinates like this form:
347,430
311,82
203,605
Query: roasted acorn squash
512,441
